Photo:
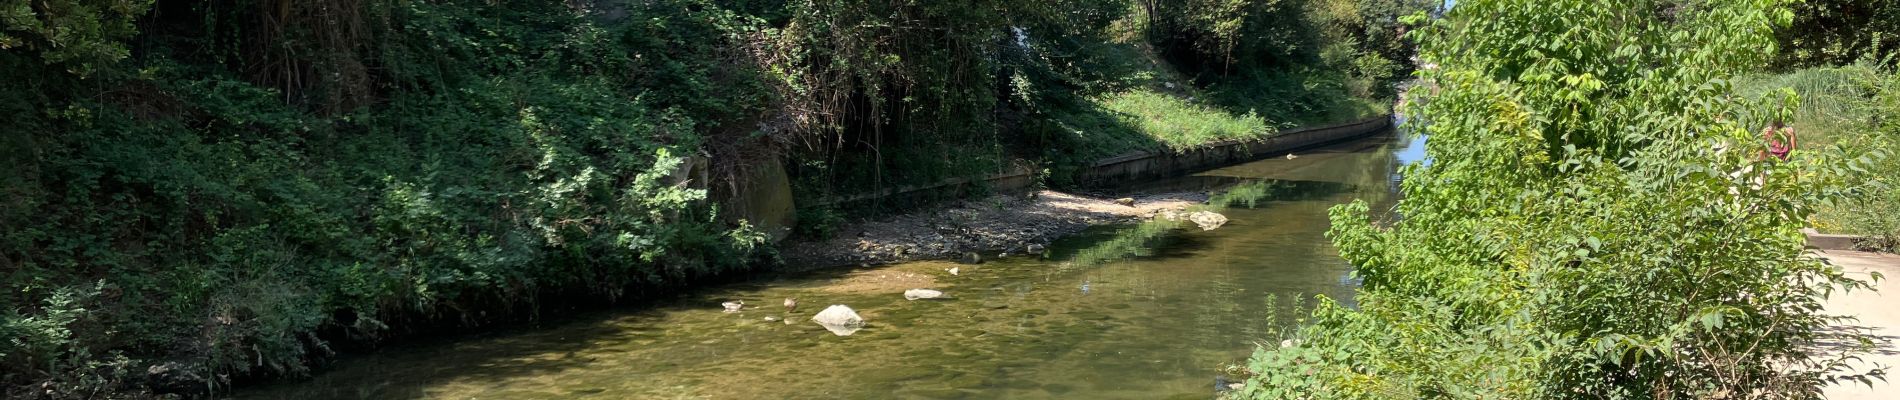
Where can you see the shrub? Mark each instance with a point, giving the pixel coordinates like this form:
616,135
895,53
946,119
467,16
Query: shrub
1597,221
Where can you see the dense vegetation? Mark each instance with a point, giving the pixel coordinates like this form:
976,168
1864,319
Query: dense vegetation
204,192
1837,32
1849,109
1600,220
1840,57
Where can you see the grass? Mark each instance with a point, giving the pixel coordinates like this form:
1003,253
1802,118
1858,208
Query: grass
1842,109
1834,100
1141,103
1181,124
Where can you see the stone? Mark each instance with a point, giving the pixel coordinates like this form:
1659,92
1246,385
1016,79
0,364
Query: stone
733,306
953,271
1207,220
841,320
1033,249
971,258
771,319
922,294
1126,201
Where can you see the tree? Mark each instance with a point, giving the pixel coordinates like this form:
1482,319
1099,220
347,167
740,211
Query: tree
1838,32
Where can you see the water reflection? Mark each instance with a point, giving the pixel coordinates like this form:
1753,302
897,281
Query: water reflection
1157,322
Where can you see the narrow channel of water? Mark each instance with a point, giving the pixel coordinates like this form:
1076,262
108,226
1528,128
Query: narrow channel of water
1155,323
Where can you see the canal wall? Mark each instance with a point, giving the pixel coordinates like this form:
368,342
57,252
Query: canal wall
1144,165
1147,165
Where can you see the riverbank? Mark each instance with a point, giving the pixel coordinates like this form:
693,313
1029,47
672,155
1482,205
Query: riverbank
1018,223
1158,323
984,228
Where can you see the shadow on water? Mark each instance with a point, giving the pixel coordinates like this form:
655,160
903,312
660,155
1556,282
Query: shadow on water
1152,319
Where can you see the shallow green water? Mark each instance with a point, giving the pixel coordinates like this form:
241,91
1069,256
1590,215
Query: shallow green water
1157,324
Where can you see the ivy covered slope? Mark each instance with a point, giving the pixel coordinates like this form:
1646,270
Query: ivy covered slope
204,192
230,188
1599,220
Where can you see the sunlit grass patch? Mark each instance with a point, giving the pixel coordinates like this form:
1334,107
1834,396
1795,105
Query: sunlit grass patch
1179,123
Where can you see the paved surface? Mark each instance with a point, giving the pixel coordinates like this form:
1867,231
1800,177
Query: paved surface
1879,312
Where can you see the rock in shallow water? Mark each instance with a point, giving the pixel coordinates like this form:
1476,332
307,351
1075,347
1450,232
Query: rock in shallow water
1207,220
839,319
922,294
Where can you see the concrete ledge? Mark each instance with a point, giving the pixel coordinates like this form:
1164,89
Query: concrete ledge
1158,164
1829,241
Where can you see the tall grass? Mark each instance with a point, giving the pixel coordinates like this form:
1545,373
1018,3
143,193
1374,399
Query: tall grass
1848,109
1834,100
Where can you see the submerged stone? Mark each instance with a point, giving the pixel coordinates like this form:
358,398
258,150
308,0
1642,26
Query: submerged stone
922,294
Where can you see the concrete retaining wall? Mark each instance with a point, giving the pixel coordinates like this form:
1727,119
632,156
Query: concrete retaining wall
1151,164
1159,164
1829,241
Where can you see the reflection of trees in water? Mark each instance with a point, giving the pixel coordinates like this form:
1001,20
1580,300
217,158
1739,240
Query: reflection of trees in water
1374,178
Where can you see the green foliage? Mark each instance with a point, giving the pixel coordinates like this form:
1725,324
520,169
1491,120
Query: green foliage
1840,32
1361,38
1872,207
216,191
1848,109
211,221
1833,99
1597,221
79,35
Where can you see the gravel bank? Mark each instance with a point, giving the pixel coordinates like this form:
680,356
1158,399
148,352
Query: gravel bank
1013,224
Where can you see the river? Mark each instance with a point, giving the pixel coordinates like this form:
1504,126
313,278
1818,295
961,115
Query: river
1102,315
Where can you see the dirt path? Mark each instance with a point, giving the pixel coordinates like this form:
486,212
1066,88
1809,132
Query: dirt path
1879,313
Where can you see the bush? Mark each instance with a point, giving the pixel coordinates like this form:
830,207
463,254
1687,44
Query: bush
1596,223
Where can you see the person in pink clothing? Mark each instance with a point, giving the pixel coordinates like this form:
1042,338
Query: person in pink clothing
1780,139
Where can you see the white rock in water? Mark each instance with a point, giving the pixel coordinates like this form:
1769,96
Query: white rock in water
839,319
953,271
915,294
733,306
1208,220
